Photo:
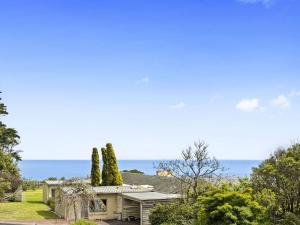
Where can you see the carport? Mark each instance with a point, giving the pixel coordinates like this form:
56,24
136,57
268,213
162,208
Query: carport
138,205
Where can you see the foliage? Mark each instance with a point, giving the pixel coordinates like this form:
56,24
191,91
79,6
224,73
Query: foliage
31,208
177,213
230,204
193,169
9,171
28,184
84,222
104,168
133,171
4,185
95,171
289,219
52,178
281,175
73,191
111,173
9,137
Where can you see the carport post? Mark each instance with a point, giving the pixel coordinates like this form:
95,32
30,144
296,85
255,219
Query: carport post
141,213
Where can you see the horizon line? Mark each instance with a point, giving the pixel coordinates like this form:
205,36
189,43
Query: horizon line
137,159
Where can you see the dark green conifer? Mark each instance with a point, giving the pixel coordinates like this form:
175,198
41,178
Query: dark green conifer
95,171
114,176
104,167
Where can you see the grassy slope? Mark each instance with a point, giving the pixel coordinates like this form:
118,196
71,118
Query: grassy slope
32,208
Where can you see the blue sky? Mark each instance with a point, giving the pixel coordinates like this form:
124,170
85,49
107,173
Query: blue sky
151,76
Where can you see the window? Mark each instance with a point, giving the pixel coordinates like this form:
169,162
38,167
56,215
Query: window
53,193
98,205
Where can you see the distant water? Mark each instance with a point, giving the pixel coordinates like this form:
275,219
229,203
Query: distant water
42,169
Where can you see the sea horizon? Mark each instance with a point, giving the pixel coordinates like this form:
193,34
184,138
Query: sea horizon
45,168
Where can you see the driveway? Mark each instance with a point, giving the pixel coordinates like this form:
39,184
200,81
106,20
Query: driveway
117,222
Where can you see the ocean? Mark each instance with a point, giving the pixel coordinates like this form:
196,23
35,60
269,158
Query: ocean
42,169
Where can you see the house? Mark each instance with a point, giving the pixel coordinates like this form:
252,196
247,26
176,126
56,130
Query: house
49,188
126,202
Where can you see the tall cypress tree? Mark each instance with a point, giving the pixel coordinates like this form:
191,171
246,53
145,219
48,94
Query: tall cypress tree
114,175
95,171
104,168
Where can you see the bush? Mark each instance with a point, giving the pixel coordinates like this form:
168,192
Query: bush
133,171
289,219
84,222
177,213
229,205
28,184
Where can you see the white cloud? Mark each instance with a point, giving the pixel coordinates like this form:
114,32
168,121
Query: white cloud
266,3
179,105
143,80
248,105
281,101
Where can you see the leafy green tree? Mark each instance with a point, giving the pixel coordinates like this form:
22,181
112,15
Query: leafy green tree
281,175
9,157
230,205
95,171
9,137
114,176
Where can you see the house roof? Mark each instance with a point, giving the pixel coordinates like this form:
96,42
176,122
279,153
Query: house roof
53,182
120,189
112,189
160,184
58,182
150,196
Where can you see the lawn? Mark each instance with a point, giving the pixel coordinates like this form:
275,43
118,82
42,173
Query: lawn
32,208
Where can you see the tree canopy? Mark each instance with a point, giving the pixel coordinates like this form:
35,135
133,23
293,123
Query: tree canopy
281,175
111,173
193,169
228,205
95,171
9,156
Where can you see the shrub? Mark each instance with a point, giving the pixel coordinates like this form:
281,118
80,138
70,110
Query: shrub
84,222
177,213
229,205
28,184
133,171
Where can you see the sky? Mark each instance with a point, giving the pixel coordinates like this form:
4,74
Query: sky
151,76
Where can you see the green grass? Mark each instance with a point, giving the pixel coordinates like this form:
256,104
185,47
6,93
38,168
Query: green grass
32,208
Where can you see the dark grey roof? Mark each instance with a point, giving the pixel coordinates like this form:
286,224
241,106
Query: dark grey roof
59,182
119,189
160,184
112,189
150,196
